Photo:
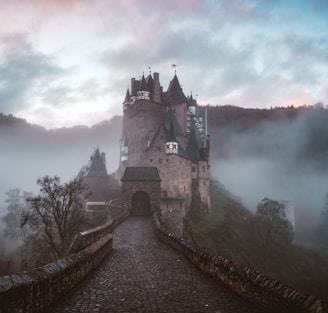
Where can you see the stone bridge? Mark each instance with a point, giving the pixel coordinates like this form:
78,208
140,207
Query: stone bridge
148,270
142,274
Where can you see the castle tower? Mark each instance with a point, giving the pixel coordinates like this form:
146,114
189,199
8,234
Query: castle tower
163,130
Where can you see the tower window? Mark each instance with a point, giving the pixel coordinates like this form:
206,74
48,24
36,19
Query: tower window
160,161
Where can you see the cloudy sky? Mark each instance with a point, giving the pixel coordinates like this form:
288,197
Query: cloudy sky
69,62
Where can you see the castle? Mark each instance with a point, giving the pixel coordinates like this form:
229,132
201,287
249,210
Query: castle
164,151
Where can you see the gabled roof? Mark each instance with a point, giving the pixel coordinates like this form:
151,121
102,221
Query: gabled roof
141,173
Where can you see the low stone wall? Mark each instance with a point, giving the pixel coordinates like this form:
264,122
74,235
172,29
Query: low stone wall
86,238
255,287
36,289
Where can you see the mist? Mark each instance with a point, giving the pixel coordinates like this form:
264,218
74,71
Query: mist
29,152
280,158
280,154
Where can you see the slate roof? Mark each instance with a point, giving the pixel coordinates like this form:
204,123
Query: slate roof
96,165
193,146
171,124
174,94
127,96
143,85
141,173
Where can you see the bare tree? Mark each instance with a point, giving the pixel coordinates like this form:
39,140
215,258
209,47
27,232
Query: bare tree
55,214
275,232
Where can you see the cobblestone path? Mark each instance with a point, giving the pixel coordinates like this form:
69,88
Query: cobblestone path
144,275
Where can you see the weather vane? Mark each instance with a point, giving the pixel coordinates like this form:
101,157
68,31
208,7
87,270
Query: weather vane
175,68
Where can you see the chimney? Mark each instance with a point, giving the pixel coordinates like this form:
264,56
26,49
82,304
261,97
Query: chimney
133,85
157,88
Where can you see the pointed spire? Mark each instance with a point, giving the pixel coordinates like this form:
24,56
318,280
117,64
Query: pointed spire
127,96
143,85
175,94
174,84
97,167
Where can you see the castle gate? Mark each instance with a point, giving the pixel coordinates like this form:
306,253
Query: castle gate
141,187
140,203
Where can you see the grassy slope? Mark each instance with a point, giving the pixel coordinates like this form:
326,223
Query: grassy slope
227,231
224,230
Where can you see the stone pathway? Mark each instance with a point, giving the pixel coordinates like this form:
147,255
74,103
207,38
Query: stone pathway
144,275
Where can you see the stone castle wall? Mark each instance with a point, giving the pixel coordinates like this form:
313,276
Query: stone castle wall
152,189
173,212
140,122
204,184
175,169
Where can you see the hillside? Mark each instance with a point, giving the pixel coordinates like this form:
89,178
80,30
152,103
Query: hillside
229,232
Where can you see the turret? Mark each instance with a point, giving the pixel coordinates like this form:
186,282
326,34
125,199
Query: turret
127,99
143,92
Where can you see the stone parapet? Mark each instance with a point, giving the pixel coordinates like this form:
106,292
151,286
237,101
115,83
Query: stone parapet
271,295
34,290
86,238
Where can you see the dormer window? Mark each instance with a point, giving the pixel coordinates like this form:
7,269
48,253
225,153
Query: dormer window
171,148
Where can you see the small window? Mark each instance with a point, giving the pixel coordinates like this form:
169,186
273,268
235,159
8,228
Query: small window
151,160
193,169
160,161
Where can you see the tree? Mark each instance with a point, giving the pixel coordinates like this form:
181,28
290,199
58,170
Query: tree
16,227
17,215
274,230
55,215
322,230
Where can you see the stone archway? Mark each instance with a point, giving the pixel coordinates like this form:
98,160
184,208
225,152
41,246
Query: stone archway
140,203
